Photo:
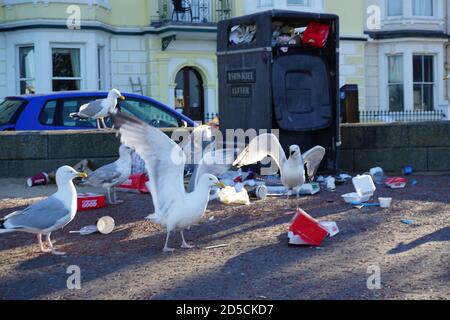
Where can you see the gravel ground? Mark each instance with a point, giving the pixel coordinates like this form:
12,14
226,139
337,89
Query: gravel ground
256,264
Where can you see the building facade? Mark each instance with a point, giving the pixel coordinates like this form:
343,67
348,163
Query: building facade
166,49
407,56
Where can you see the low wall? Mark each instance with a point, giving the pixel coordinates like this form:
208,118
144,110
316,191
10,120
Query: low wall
425,146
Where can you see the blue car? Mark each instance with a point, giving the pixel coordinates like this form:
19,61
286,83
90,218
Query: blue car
52,111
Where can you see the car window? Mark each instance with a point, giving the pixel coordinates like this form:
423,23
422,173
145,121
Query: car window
8,109
72,106
149,113
47,115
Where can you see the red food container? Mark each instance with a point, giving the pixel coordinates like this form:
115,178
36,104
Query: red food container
396,183
316,34
90,201
309,229
136,183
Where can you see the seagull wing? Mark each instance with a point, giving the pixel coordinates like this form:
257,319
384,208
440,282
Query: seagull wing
92,108
215,162
42,215
259,148
312,159
164,160
106,174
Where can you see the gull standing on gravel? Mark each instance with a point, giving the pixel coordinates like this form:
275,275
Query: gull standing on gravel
113,174
99,109
165,162
292,169
49,215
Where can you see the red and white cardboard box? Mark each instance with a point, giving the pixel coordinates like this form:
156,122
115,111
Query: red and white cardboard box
310,231
396,183
90,201
136,183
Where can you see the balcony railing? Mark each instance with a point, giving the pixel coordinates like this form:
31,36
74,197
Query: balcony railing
194,11
402,116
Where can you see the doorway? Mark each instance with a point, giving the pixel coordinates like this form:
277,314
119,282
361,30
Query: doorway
189,89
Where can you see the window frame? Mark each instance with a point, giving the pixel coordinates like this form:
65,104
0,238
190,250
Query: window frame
423,83
19,75
82,64
388,84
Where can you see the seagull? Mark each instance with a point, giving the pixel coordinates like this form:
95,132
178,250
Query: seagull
113,174
99,109
165,162
49,215
292,170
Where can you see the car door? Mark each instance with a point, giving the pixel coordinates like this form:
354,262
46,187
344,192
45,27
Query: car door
65,107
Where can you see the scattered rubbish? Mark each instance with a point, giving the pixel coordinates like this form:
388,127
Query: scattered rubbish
385,202
331,183
407,170
229,195
414,183
378,175
217,246
316,34
306,230
90,201
331,227
396,183
354,197
259,192
104,226
40,179
307,189
136,183
408,221
212,219
242,34
360,205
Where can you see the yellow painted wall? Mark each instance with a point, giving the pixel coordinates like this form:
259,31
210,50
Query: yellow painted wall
350,13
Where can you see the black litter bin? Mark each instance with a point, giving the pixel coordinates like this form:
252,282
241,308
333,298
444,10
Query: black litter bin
292,86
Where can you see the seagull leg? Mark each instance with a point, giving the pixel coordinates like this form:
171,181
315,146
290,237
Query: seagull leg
115,197
54,252
98,123
297,191
39,237
104,123
185,245
166,248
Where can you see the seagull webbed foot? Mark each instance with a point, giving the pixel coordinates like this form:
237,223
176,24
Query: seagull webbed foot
58,253
187,246
168,250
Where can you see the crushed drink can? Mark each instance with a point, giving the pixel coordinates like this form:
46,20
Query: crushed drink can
40,179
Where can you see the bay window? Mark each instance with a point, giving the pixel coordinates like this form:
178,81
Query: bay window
422,8
424,85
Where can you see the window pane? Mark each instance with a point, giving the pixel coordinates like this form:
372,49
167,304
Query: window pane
66,63
47,115
423,8
428,97
395,8
395,65
66,85
71,106
298,2
418,68
8,109
149,113
396,98
26,61
428,69
418,97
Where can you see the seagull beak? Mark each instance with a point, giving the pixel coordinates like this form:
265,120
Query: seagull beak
122,98
221,185
82,175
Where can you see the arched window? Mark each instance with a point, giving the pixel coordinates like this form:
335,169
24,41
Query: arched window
189,93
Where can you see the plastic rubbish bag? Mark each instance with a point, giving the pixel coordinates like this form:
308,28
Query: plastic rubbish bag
229,195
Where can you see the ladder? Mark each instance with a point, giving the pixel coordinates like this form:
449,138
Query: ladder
136,87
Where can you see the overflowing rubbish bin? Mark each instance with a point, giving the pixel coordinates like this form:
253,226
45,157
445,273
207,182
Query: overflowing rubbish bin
279,70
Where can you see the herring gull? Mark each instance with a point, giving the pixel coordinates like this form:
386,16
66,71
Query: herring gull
48,215
99,109
113,174
292,169
165,162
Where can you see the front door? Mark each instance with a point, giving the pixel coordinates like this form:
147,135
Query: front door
190,88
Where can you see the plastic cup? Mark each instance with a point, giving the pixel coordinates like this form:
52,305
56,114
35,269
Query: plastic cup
385,202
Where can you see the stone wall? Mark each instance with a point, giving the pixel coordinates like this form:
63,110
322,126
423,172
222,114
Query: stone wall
425,146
